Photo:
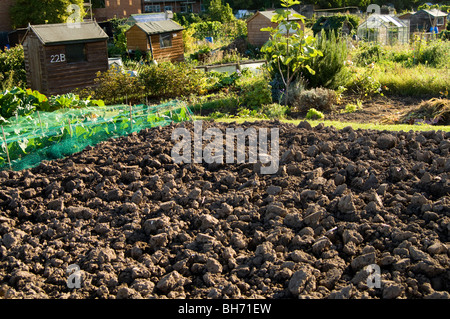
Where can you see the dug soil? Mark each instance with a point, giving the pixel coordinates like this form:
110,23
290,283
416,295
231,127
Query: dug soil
377,110
137,225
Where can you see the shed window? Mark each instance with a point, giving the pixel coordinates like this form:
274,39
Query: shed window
440,21
165,40
75,53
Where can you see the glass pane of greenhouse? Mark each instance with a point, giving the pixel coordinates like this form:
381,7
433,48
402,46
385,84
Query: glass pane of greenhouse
383,29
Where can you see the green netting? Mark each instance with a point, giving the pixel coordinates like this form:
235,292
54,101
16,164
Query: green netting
53,135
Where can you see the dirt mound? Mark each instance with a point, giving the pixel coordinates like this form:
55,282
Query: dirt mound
433,111
378,109
138,225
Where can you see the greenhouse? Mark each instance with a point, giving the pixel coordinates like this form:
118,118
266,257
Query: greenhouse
384,29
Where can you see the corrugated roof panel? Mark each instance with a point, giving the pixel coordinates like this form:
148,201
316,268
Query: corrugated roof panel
156,27
376,20
435,12
397,22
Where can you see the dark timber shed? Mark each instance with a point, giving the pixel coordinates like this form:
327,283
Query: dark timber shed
423,20
62,57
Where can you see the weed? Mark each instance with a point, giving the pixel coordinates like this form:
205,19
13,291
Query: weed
352,107
313,114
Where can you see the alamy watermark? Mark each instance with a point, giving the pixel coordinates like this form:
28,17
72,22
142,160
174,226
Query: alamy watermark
373,8
191,150
74,279
75,18
374,278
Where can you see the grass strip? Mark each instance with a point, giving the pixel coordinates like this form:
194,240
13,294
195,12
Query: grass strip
341,125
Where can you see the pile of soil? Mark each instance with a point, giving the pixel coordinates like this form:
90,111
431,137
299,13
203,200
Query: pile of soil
140,226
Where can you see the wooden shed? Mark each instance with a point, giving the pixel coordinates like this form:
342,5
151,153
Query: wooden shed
424,19
62,57
262,19
164,40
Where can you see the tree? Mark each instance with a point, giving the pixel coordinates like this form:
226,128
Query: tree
289,48
218,11
43,11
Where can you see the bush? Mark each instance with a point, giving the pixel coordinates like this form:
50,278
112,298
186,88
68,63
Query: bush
435,53
295,89
274,110
12,68
335,23
255,92
186,19
320,98
167,80
207,29
369,53
445,34
114,87
363,83
162,81
330,68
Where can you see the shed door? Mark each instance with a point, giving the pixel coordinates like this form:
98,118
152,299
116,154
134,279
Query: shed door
34,63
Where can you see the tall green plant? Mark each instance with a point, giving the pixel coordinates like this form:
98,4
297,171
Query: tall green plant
330,68
289,48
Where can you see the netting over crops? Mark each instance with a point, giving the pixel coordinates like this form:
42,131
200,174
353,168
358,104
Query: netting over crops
53,135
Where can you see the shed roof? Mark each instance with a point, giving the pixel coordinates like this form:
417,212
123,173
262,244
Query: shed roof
65,33
405,15
156,27
434,12
270,13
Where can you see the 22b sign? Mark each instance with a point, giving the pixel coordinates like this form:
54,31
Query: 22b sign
57,58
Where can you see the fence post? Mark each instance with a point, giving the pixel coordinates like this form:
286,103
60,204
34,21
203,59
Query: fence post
131,117
187,112
6,147
70,128
40,123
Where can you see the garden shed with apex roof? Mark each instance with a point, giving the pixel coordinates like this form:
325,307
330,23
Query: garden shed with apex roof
163,39
62,57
